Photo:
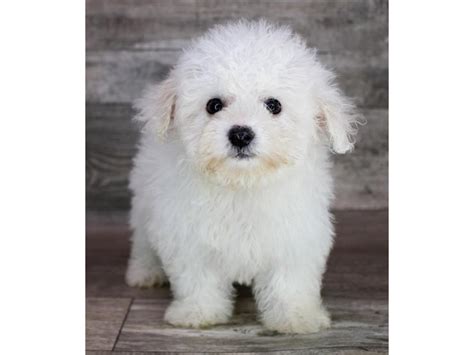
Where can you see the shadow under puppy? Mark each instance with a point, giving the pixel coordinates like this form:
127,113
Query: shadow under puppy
232,180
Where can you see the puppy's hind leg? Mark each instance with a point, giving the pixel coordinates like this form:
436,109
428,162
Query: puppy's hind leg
144,265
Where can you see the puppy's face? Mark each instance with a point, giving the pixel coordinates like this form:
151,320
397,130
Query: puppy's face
246,101
238,127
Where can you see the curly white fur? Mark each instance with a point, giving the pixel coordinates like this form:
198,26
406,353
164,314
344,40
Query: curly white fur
203,218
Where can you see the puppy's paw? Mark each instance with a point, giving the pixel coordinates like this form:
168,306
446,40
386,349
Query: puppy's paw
189,314
298,321
139,275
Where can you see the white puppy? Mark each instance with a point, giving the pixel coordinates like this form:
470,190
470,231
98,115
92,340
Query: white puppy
232,181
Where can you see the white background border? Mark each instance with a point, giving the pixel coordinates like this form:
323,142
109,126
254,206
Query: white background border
42,138
431,177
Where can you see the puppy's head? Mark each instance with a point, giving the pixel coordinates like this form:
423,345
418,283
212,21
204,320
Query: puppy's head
247,100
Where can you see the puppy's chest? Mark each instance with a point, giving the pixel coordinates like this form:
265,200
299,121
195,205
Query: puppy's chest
239,235
236,222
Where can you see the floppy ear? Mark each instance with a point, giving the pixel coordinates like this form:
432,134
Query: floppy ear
337,115
156,106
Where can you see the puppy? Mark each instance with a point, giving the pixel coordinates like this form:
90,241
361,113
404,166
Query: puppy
232,180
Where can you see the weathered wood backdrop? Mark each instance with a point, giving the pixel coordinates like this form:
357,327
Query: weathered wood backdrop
133,43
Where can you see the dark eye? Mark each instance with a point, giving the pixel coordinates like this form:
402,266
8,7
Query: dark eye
273,105
214,105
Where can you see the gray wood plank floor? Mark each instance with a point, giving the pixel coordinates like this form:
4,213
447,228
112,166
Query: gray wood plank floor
104,321
128,320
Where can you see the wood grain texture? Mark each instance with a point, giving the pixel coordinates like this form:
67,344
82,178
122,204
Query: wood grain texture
360,177
131,44
356,324
355,291
121,76
331,25
104,319
361,351
110,146
306,352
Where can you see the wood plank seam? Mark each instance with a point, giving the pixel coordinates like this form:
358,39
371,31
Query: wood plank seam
123,322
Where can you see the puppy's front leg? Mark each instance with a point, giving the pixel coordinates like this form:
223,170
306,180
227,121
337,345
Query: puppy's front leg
290,302
202,298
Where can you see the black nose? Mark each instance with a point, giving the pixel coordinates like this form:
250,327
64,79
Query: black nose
240,136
